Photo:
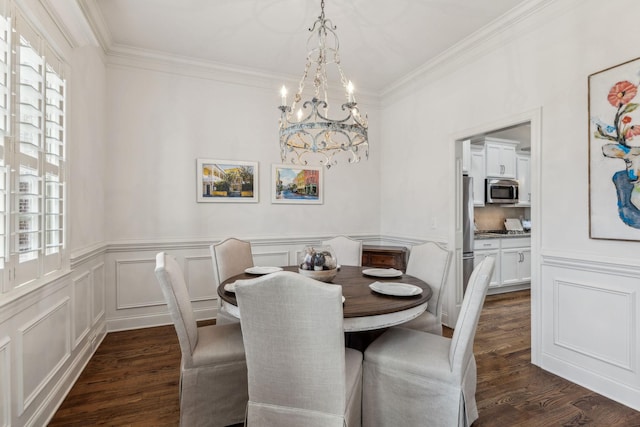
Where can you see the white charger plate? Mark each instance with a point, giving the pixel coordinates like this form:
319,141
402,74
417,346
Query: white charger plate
395,289
262,270
382,272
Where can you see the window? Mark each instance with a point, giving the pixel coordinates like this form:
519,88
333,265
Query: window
32,157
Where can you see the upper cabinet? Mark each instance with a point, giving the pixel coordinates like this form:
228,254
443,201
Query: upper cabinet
500,158
523,169
488,157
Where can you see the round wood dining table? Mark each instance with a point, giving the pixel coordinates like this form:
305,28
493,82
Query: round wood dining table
364,309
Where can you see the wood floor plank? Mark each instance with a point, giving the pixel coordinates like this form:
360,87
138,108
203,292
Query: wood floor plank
132,380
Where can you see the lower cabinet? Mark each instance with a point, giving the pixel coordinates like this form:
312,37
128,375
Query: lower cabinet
516,265
512,256
483,249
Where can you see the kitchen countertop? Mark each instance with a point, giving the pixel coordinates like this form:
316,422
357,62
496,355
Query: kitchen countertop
484,236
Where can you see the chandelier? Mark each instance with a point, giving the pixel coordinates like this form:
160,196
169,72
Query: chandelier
307,134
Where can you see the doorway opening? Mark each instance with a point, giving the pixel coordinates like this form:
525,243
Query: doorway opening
509,150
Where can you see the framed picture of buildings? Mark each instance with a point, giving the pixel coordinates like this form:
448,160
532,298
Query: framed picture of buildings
227,181
296,184
614,152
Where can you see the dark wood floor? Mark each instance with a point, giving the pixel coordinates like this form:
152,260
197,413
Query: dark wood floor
132,380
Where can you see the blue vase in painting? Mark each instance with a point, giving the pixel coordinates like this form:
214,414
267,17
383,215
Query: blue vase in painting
629,214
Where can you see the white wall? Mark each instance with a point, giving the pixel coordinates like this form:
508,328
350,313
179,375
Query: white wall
87,149
160,122
541,62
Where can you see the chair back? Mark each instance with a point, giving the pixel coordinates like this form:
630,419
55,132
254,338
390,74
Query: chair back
430,262
230,257
294,344
174,289
461,349
347,250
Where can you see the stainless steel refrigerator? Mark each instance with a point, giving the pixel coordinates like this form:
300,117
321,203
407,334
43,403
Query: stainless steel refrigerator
467,230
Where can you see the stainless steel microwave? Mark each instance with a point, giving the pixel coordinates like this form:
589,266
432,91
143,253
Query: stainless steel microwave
503,191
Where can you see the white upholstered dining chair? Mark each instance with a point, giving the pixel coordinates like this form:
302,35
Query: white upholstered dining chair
413,378
300,373
213,369
347,250
430,262
230,257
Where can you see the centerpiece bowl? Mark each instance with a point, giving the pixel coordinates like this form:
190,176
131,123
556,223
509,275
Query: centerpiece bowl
318,262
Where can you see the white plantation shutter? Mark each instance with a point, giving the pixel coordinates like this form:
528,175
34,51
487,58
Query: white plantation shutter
5,97
54,167
32,155
27,193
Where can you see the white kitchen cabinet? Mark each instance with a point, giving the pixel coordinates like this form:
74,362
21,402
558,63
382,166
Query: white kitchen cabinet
515,261
512,259
515,266
479,256
500,156
483,249
477,172
523,175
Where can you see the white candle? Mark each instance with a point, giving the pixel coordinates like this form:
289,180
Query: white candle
283,94
350,91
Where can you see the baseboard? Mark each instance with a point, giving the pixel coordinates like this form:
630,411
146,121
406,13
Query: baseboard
511,288
149,321
621,393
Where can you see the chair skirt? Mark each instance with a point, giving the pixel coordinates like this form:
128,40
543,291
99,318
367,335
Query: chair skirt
407,381
214,396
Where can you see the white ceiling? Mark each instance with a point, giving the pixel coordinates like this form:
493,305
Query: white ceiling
381,41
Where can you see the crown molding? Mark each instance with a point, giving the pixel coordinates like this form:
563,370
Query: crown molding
133,57
70,20
482,41
473,46
93,17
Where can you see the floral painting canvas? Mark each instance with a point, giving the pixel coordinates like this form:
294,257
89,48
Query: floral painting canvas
226,181
296,184
614,152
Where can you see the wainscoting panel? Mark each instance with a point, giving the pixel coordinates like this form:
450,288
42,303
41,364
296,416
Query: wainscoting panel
81,307
43,345
275,258
575,306
97,277
133,296
136,284
589,325
5,385
198,273
47,336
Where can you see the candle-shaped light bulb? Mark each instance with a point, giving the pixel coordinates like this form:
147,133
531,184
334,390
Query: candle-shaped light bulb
299,114
350,91
283,94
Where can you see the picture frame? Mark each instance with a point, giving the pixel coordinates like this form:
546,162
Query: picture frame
226,181
296,184
614,152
